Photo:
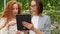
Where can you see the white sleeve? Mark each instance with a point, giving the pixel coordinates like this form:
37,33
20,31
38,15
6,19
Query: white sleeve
4,31
2,22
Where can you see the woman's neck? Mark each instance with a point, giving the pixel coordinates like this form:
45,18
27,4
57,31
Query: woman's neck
14,16
36,14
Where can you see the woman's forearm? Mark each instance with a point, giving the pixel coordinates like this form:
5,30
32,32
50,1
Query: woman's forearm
4,30
37,31
7,26
25,32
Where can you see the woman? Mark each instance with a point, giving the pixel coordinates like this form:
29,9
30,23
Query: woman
40,23
8,18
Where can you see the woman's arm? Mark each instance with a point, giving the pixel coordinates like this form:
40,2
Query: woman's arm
25,32
4,30
46,28
20,32
31,27
37,31
2,22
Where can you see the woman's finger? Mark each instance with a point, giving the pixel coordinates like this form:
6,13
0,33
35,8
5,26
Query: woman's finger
28,25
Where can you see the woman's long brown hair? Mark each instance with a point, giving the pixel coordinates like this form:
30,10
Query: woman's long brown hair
7,13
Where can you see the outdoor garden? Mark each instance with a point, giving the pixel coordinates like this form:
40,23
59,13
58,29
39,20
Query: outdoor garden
51,8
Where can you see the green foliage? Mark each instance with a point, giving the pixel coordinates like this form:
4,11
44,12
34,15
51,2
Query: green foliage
55,16
55,31
54,4
25,4
1,5
51,8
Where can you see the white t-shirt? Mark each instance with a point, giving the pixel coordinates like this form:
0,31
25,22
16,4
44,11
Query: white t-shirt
35,23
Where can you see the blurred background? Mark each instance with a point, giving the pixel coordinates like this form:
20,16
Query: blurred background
51,8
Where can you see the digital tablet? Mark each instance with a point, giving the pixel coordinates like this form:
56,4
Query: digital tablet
20,19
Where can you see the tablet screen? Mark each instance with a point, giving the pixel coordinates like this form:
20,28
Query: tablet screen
20,19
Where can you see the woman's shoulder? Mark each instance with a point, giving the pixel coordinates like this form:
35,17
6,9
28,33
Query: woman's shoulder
45,16
2,21
3,18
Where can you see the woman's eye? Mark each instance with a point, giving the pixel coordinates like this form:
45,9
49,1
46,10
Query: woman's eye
33,5
16,8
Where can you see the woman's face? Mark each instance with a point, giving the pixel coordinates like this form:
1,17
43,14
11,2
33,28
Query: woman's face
33,7
15,9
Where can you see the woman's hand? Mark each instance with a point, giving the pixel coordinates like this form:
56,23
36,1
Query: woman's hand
31,27
11,23
28,25
17,32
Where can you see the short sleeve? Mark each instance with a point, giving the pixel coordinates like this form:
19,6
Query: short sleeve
2,22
